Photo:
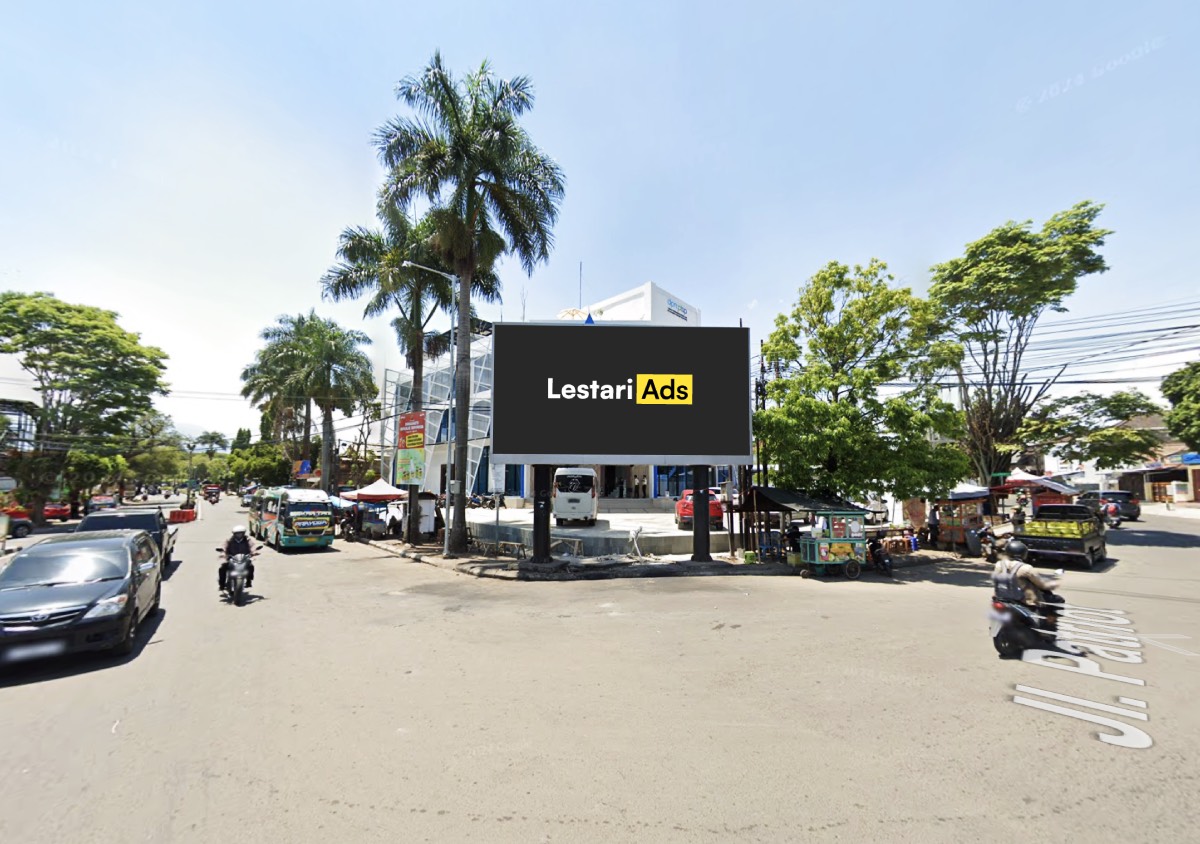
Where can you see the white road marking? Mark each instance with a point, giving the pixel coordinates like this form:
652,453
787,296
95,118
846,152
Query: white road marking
114,726
1153,637
1090,704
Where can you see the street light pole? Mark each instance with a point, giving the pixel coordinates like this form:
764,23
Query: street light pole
450,462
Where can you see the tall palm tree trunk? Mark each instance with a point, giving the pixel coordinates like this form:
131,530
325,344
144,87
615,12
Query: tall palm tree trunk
307,453
418,403
328,470
462,406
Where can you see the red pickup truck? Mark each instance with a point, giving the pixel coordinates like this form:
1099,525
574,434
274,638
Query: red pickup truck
685,511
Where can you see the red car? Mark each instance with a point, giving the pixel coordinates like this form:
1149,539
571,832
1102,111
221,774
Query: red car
57,510
52,510
685,515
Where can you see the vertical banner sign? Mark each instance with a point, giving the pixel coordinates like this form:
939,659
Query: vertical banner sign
410,449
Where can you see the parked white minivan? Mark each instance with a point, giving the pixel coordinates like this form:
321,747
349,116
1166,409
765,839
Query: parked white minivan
574,495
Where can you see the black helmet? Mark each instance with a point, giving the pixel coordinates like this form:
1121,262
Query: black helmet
1016,549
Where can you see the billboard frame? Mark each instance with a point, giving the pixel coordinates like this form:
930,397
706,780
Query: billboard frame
658,459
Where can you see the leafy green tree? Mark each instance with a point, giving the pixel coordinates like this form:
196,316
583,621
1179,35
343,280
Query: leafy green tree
94,378
262,462
213,441
83,471
837,427
991,300
159,464
241,441
152,430
492,191
1182,389
1088,427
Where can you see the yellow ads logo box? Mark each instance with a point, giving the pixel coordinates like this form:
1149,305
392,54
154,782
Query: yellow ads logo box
664,389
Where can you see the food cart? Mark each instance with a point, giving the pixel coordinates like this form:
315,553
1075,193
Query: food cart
958,518
838,540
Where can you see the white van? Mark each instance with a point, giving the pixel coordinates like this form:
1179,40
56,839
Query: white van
574,495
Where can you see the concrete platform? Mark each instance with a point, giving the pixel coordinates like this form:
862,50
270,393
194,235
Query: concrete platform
659,535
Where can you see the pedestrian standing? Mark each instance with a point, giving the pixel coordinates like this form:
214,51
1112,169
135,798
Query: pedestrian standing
935,524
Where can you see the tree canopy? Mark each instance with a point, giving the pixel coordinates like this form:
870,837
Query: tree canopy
313,359
492,192
842,424
990,301
1089,427
95,379
1182,389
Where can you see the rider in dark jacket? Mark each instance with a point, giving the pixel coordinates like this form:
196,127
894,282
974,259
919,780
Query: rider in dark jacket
239,543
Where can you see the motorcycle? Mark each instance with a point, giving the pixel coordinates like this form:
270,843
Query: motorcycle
212,498
1111,514
1016,628
985,539
236,576
475,501
879,559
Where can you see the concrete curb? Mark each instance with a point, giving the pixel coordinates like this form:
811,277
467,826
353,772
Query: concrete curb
568,570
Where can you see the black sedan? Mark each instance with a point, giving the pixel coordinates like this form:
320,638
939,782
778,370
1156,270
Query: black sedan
78,592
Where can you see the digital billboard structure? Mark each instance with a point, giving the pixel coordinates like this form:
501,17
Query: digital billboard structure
582,394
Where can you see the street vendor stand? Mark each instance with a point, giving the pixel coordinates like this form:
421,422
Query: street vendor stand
827,554
1040,490
961,513
838,540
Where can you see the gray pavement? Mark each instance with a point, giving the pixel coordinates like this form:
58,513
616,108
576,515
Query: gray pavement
367,698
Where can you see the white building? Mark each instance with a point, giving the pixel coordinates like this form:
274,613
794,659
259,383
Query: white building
647,303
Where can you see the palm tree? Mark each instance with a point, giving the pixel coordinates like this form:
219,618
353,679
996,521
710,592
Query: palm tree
492,190
372,264
263,382
317,360
213,441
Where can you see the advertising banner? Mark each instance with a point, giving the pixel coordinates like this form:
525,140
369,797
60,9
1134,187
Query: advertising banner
410,449
621,394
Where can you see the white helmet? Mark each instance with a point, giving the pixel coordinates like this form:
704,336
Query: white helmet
238,529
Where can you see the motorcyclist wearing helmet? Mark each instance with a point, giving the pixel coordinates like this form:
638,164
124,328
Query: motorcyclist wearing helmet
239,543
1017,581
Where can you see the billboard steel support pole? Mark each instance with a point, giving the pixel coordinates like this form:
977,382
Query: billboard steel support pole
701,518
541,515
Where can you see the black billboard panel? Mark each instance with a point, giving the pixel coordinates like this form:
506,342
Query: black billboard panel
621,394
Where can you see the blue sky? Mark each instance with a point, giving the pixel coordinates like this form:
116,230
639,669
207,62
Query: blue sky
192,166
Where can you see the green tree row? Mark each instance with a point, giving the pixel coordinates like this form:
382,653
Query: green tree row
868,373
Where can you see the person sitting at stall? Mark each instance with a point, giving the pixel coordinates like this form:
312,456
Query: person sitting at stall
793,536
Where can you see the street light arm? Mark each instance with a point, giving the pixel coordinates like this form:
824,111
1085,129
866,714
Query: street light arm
450,276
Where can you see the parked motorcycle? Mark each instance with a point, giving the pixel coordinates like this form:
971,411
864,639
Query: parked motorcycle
987,543
879,559
1016,628
236,576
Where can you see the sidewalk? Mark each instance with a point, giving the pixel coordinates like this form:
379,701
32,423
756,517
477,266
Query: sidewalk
1189,510
605,568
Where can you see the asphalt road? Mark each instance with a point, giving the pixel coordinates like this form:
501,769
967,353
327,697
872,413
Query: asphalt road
366,698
